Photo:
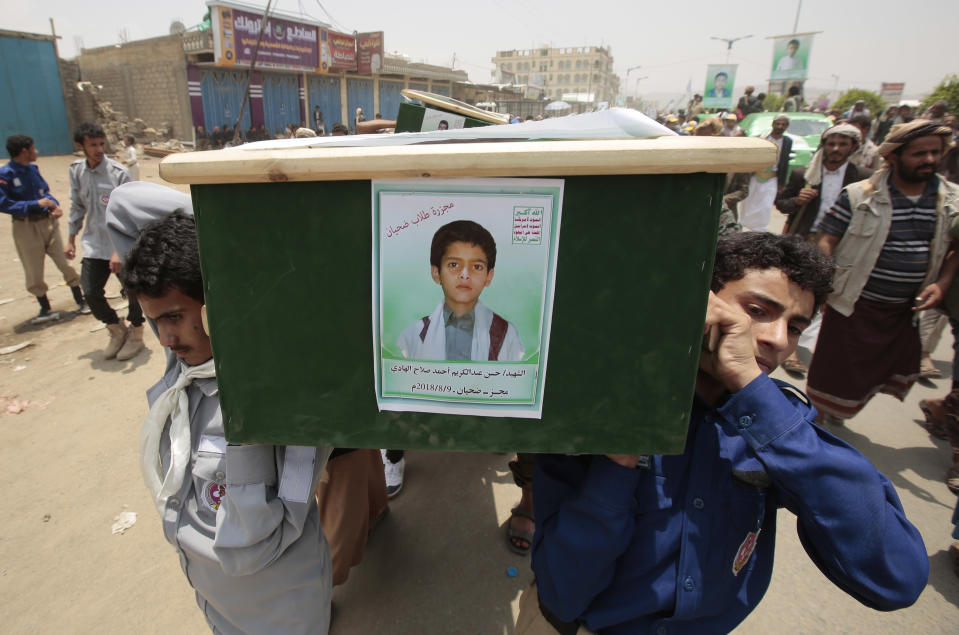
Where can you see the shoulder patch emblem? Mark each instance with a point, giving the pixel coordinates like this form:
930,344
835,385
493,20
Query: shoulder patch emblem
745,551
213,493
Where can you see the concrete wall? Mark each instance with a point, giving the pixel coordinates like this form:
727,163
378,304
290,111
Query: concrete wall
145,79
79,104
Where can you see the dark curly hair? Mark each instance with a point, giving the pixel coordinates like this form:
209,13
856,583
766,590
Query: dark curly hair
799,259
165,257
18,143
86,129
465,231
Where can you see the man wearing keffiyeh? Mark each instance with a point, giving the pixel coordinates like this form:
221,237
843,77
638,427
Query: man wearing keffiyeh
810,194
890,237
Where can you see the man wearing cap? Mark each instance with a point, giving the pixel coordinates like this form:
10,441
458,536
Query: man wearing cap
867,156
810,194
889,236
756,209
859,108
731,126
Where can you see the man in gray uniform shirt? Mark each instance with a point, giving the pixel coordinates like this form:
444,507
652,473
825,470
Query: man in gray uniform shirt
92,181
242,517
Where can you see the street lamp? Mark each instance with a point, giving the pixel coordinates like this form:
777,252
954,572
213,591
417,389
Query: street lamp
626,82
729,43
639,79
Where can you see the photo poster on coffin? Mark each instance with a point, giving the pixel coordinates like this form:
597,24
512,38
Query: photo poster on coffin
434,119
491,289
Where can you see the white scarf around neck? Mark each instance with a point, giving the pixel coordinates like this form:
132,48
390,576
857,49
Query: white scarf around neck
174,404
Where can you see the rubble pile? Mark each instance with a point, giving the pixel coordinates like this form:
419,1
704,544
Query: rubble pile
117,125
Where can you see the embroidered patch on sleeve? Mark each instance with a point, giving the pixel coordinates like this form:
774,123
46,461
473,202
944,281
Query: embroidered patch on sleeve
745,551
297,474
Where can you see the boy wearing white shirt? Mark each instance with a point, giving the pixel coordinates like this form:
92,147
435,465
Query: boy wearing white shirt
129,157
462,262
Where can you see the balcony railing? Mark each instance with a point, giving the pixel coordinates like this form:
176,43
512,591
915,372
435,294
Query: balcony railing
198,42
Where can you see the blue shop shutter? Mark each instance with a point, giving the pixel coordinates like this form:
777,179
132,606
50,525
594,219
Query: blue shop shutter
222,95
281,102
325,93
390,99
359,93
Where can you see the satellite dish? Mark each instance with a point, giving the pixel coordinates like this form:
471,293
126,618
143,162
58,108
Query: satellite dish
177,28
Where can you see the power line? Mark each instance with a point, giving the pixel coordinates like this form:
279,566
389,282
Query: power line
333,20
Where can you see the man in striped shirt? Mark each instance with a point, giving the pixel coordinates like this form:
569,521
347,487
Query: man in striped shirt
889,236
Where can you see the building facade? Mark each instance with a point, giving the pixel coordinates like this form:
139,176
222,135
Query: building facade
579,74
200,78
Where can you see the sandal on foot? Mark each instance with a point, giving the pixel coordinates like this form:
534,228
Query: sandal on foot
520,535
792,365
927,369
934,425
952,481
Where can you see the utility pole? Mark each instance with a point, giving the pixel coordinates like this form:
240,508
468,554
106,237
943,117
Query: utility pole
246,93
729,43
56,49
626,82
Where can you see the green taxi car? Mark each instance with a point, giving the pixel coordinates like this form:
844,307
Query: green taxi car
805,129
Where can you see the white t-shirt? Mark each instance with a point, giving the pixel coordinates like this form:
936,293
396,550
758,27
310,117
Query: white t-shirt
787,63
829,190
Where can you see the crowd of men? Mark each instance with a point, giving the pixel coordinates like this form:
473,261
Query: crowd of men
619,543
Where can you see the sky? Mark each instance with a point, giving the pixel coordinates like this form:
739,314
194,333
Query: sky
862,43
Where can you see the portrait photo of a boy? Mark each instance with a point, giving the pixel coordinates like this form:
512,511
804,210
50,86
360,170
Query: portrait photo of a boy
463,277
463,263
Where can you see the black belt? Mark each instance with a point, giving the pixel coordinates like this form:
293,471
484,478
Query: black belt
563,628
33,218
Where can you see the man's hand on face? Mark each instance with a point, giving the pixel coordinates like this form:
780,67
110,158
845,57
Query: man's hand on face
732,360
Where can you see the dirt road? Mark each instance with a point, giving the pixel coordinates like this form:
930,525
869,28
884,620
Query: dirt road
437,564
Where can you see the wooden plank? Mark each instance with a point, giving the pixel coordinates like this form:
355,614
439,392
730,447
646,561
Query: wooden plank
665,155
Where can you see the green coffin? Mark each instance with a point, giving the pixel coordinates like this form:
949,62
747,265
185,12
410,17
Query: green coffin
286,251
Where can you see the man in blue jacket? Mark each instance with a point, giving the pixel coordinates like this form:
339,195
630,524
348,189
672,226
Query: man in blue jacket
26,197
684,544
